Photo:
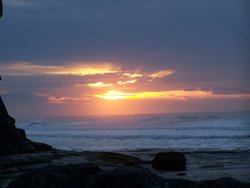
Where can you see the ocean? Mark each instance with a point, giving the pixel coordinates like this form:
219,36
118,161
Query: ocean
220,131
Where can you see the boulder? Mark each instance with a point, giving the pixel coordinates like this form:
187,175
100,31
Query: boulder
170,161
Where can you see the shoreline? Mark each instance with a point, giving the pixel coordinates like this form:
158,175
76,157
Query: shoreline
204,165
200,166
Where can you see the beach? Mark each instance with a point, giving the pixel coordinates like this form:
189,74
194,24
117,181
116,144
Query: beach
201,166
101,141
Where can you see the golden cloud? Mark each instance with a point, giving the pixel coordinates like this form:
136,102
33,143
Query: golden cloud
161,74
27,68
176,94
99,84
127,82
132,75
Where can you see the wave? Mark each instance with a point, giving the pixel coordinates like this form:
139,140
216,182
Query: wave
190,132
127,137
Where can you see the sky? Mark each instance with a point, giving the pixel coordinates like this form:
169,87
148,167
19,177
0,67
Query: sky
108,57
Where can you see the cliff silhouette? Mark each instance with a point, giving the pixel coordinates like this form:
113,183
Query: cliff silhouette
12,139
1,8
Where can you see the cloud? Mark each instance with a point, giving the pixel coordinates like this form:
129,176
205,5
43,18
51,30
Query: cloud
33,3
161,74
176,94
127,82
228,91
27,68
61,100
3,91
173,94
99,84
133,75
22,3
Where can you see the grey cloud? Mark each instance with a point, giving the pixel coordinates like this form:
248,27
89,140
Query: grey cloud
116,30
231,91
207,39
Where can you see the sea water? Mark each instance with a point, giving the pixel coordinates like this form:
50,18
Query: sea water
227,131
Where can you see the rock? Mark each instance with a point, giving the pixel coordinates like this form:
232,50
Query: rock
124,177
227,182
66,176
170,161
6,121
1,8
87,176
117,158
14,140
181,183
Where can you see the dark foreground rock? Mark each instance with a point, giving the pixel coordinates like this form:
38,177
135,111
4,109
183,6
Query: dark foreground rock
1,8
92,176
88,176
55,176
124,177
14,140
227,182
171,161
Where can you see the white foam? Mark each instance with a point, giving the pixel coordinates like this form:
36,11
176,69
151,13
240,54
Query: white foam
225,131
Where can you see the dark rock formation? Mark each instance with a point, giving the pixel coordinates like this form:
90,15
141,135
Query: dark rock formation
124,177
1,8
181,183
171,161
92,176
55,176
88,176
12,139
227,182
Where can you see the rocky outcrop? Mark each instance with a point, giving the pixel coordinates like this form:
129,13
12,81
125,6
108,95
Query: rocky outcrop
92,176
1,8
124,177
226,182
88,176
170,161
14,140
55,176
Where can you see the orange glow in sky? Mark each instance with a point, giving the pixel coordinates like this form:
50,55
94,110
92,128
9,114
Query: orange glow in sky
161,74
27,68
177,94
133,75
107,88
99,84
126,82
